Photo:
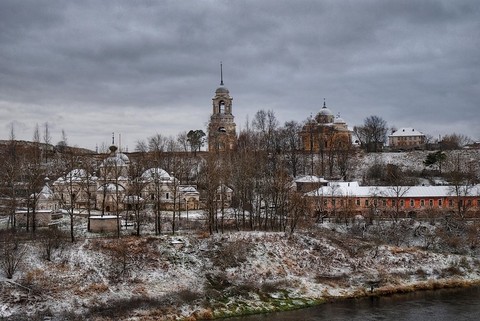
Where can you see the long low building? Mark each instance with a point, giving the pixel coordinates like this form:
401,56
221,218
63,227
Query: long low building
338,196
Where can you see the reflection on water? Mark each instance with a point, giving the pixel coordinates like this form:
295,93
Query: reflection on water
440,305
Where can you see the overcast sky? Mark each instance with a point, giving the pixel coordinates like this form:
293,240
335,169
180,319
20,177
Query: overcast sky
138,68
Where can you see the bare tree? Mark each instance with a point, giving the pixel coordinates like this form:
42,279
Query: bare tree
373,134
182,140
462,184
209,181
11,171
34,179
47,140
134,198
397,190
141,146
243,180
36,143
88,184
297,209
454,141
51,240
290,141
63,143
12,253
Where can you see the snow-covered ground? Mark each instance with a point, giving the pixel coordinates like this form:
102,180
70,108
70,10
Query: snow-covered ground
411,161
194,276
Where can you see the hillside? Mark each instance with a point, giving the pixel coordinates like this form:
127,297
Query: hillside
194,277
410,162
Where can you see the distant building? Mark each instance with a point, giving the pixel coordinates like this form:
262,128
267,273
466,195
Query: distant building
307,183
222,134
325,132
114,190
406,138
411,200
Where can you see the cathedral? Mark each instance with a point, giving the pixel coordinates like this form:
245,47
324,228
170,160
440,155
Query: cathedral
222,134
325,132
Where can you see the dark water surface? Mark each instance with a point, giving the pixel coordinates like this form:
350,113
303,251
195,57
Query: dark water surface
440,305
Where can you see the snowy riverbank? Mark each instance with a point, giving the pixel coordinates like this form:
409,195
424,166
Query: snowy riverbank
198,277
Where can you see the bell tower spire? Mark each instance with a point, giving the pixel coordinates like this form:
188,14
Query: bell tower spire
222,134
221,74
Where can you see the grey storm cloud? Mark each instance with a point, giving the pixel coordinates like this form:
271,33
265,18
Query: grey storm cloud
145,67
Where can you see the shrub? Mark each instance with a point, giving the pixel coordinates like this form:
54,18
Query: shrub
217,281
273,286
452,270
11,254
231,254
188,296
50,240
332,280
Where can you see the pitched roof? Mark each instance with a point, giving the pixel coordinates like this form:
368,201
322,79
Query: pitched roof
407,131
352,189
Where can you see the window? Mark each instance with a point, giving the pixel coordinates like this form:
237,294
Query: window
422,203
167,196
394,203
440,203
375,202
366,202
384,203
430,203
334,202
358,202
450,203
412,203
478,203
152,196
402,203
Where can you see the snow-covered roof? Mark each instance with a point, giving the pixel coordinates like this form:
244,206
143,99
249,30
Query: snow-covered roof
116,159
324,111
407,131
222,90
111,187
224,188
45,193
156,173
188,189
310,179
339,120
75,175
353,189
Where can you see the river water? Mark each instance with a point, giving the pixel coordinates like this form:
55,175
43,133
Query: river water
440,305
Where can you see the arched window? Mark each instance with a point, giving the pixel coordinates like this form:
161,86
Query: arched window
221,107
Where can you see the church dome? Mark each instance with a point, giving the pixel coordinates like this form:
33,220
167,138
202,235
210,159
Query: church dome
325,111
222,90
339,120
325,115
113,161
116,158
156,173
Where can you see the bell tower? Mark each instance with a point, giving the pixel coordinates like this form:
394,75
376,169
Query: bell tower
222,134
